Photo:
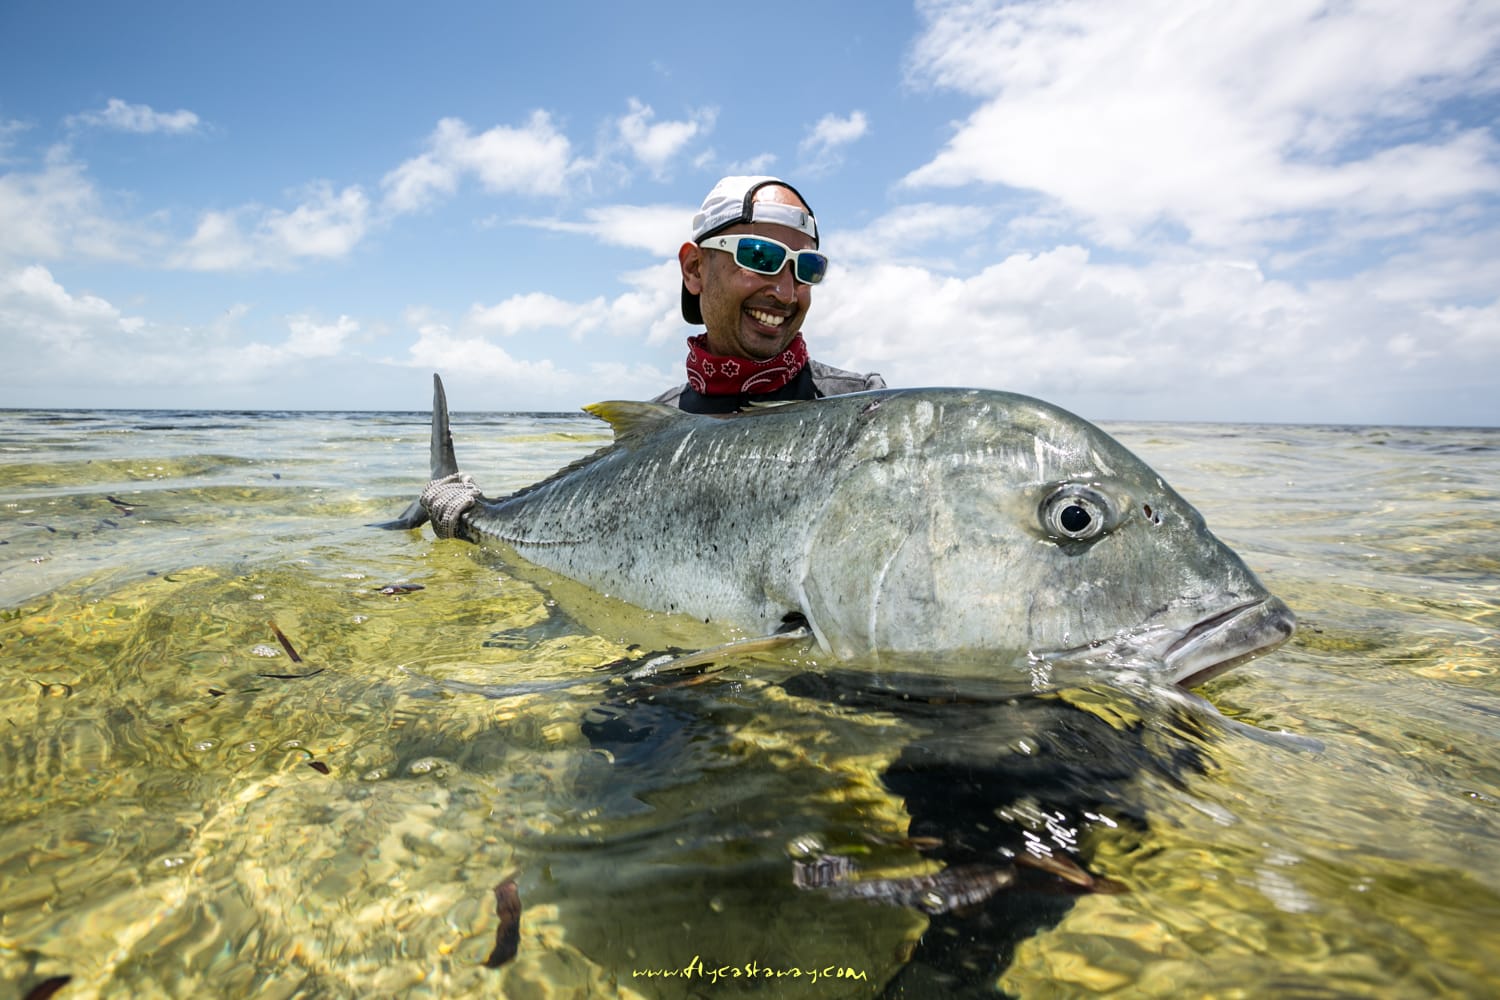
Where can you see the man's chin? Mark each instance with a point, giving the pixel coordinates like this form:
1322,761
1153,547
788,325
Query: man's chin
760,345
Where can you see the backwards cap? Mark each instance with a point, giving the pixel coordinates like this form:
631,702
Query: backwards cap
732,202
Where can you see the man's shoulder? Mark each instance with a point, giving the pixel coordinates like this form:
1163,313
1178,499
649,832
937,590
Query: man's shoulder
672,397
833,381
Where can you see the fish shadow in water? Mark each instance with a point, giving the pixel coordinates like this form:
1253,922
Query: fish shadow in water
1010,787
1014,786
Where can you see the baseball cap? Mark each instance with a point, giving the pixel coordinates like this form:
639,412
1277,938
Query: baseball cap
732,202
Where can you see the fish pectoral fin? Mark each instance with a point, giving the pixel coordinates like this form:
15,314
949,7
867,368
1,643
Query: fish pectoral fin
632,420
739,647
497,691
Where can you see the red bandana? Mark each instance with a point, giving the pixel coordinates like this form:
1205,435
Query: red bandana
716,375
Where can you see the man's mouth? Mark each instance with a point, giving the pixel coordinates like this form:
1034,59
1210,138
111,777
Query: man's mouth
772,320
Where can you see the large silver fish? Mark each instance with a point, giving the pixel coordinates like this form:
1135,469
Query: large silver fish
913,521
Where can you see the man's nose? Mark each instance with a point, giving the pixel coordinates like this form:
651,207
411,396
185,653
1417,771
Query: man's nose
785,284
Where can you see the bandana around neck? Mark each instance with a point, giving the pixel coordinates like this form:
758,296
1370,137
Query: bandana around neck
716,375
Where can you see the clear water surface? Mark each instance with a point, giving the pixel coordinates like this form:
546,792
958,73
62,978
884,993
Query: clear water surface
187,811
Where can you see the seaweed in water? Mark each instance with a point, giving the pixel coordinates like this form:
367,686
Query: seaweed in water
286,643
508,934
47,987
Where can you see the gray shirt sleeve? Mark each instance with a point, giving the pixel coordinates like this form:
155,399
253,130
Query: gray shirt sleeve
833,381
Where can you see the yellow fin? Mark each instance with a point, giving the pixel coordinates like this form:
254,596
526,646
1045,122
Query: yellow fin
633,420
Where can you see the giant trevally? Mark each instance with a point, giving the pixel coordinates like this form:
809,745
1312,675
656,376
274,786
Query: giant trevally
894,523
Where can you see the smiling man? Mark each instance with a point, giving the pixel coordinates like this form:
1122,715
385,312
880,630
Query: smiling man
747,277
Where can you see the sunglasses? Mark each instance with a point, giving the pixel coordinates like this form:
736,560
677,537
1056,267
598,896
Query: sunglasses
766,256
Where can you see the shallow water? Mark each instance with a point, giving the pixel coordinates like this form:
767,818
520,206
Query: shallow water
186,811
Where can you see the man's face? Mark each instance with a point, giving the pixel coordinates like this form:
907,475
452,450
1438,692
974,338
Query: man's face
749,315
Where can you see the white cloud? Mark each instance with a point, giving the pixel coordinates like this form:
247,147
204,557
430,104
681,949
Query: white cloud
306,340
217,245
82,346
139,118
656,144
831,132
78,339
418,182
57,329
1440,268
437,348
1474,327
822,148
9,130
754,166
657,229
906,233
1222,120
531,160
533,312
652,305
309,339
57,212
534,159
37,211
1108,339
473,367
327,224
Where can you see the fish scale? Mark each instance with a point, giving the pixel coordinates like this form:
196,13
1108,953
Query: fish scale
614,514
935,522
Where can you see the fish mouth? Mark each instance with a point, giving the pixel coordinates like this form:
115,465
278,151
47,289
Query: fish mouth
1228,639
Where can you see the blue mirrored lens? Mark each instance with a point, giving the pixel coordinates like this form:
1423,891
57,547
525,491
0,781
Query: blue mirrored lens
811,267
760,255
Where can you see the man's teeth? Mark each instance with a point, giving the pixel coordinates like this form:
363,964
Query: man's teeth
765,318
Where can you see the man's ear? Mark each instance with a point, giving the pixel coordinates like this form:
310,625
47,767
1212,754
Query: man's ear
690,259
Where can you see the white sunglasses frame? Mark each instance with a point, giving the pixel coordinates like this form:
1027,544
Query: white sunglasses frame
730,244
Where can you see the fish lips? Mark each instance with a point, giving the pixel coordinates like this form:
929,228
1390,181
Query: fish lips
1227,639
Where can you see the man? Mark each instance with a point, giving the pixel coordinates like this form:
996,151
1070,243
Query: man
747,276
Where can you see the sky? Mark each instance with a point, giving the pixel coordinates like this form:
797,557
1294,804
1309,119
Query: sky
1280,212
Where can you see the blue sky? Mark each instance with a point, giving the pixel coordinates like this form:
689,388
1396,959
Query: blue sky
1138,209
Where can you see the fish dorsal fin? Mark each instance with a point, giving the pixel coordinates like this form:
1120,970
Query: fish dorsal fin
633,420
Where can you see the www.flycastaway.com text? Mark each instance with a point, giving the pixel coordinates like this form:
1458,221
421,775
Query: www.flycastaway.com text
700,970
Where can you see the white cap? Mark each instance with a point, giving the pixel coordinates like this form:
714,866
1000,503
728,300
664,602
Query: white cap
732,201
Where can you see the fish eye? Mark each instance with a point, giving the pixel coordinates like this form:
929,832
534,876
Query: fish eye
1076,513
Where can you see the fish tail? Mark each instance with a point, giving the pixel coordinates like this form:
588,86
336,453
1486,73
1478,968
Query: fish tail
443,461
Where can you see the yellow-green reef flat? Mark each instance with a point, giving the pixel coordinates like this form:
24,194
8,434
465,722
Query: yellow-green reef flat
192,804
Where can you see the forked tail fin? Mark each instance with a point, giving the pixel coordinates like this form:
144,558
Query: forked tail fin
444,462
